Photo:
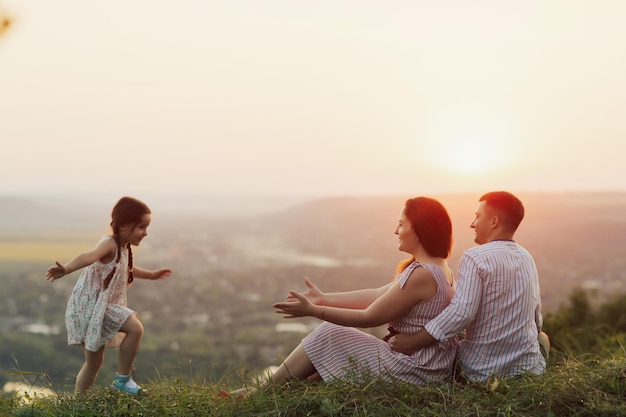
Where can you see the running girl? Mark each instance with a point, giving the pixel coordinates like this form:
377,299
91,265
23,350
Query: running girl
96,315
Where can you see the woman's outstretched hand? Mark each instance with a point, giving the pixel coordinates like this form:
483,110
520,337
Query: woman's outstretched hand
314,295
297,305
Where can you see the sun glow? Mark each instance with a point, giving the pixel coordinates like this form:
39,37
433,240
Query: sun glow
473,145
472,152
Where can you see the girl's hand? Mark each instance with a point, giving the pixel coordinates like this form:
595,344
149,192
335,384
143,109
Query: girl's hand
55,272
297,306
162,273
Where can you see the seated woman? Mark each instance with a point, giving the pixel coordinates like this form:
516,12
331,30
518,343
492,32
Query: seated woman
420,291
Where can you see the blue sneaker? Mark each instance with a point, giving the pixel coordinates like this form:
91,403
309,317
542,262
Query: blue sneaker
121,383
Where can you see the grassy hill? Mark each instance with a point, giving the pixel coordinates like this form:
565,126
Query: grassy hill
584,386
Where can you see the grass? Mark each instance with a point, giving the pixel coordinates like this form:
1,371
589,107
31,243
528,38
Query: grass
583,386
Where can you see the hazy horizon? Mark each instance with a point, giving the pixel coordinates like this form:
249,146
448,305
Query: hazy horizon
292,100
224,206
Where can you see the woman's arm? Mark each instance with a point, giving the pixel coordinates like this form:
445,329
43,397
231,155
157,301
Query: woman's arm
357,299
394,302
454,318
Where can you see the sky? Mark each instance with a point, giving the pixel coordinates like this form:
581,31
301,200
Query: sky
300,98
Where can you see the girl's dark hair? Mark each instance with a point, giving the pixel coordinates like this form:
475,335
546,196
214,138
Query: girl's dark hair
127,211
431,224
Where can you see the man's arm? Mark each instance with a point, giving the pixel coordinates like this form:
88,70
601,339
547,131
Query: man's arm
453,318
410,343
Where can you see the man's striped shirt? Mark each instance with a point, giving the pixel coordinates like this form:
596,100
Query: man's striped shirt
498,303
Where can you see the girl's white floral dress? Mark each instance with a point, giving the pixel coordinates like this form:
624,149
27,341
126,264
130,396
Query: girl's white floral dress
94,315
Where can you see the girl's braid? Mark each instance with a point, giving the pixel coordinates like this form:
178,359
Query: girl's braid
130,264
107,280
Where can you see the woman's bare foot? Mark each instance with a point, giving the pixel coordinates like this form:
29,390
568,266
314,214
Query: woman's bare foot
242,392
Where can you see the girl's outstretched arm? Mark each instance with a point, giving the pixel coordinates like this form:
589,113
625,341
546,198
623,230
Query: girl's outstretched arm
151,274
103,250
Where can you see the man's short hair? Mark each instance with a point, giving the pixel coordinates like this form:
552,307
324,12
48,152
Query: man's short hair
509,208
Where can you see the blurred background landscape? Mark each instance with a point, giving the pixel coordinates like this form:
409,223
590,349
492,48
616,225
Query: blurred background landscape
213,317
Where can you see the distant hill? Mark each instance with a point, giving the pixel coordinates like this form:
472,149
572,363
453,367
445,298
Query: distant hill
567,225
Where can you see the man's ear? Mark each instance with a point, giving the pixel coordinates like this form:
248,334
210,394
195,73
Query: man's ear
495,222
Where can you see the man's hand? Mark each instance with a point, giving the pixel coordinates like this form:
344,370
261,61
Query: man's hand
403,343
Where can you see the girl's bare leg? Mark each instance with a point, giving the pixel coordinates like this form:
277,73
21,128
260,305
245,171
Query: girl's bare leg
89,371
130,345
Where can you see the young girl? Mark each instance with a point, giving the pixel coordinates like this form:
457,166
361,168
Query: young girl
96,315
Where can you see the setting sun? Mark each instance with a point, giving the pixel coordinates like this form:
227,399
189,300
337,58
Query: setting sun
473,143
474,152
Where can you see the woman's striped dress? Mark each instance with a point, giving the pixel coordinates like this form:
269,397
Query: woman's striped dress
335,350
